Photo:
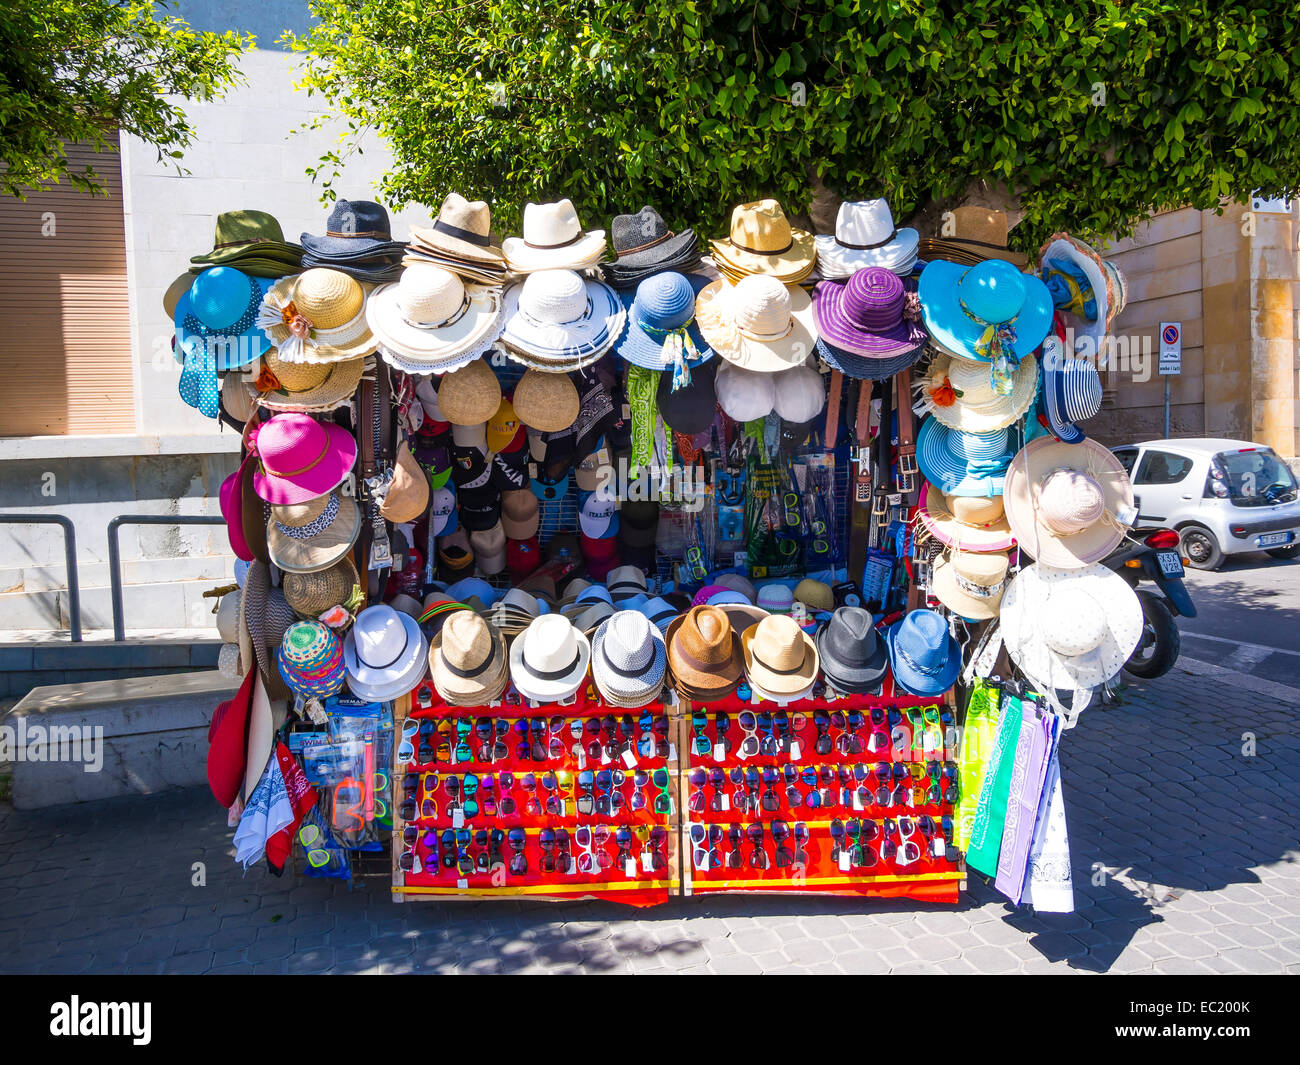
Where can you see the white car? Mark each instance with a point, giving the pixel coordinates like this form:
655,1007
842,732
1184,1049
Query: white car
1223,497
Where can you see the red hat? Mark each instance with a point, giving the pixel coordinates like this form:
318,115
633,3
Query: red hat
601,555
228,743
522,557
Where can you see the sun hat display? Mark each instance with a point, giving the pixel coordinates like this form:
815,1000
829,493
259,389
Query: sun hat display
960,393
468,661
553,240
1070,629
816,595
990,311
431,321
762,241
252,241
758,323
317,316
853,658
972,235
358,240
1072,393
217,317
870,315
628,660
780,658
1088,288
972,523
462,230
775,598
470,395
924,657
1068,505
559,321
970,584
745,395
385,652
800,394
310,387
661,331
704,654
313,535
644,245
300,458
963,464
865,235
318,591
311,660
546,402
549,659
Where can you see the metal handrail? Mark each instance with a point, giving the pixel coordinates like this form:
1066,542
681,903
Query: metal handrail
70,554
115,554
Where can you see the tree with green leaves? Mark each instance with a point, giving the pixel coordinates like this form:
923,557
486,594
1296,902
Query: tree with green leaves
80,70
1090,114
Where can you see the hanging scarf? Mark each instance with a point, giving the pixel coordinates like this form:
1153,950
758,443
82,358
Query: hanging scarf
983,710
991,809
1070,288
1029,769
996,343
641,385
677,350
1049,887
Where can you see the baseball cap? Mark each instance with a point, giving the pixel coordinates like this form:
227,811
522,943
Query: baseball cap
638,522
505,432
454,552
442,513
598,517
562,544
479,510
594,471
470,436
522,557
549,489
489,549
509,470
520,514
469,467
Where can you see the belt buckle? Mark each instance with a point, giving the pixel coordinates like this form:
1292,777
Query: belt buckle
907,471
881,505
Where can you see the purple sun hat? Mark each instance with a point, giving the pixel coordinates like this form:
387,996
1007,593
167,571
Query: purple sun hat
871,314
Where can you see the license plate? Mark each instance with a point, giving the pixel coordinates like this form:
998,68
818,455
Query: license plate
1273,539
1171,565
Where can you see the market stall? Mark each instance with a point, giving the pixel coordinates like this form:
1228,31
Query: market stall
635,568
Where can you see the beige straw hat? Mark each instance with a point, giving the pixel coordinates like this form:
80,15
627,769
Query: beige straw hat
959,393
779,656
314,535
317,316
758,323
311,387
468,660
463,229
762,241
470,395
312,594
972,523
971,584
238,395
547,402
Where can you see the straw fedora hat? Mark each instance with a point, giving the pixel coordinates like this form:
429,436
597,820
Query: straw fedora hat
971,584
468,660
780,658
306,386
758,323
1068,505
470,395
549,659
547,402
762,241
463,229
704,654
628,659
959,393
978,233
303,537
431,321
972,523
1070,629
316,592
317,316
553,239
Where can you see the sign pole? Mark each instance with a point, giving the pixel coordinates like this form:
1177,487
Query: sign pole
1166,408
1171,359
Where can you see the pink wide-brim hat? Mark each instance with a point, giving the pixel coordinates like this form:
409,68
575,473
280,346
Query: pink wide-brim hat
300,458
230,499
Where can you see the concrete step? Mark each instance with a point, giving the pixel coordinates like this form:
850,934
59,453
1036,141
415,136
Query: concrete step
42,657
173,604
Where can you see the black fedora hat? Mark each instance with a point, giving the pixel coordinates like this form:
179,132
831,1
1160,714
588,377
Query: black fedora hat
854,659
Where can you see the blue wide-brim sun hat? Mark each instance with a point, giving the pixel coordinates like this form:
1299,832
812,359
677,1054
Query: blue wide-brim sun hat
923,656
220,312
659,304
994,292
964,464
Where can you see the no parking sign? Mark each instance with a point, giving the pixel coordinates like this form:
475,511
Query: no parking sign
1171,348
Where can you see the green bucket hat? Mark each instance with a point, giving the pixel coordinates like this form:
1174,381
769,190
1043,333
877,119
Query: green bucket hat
254,242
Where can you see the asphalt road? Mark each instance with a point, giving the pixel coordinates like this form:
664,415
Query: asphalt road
1248,617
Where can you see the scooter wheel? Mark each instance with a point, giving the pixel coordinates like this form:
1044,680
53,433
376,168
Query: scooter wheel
1158,649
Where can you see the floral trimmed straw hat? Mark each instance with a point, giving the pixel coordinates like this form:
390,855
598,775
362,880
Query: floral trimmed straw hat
317,316
960,394
757,324
305,386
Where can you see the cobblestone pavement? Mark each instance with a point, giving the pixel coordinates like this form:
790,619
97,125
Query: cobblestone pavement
1194,847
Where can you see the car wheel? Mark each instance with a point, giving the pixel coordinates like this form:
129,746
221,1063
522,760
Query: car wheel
1200,548
1157,650
1290,551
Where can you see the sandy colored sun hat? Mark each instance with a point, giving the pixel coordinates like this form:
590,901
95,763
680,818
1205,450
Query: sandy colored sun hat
972,523
704,654
546,402
865,235
304,537
463,229
816,595
757,324
385,652
762,241
559,321
971,235
549,659
317,316
468,660
969,583
553,240
1070,628
470,395
319,591
1068,505
628,659
306,386
959,393
431,321
780,658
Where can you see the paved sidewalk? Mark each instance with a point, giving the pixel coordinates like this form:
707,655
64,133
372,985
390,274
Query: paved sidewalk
1185,860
